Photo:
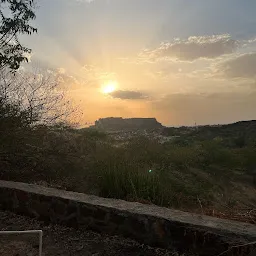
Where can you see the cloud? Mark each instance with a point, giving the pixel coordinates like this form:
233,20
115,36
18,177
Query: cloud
192,48
61,70
128,95
241,66
95,75
206,108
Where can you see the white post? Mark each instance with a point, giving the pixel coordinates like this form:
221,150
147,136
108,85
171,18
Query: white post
40,242
40,232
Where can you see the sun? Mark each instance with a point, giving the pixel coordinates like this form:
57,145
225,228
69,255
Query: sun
109,87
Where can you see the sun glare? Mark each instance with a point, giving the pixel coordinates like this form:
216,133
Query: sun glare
109,87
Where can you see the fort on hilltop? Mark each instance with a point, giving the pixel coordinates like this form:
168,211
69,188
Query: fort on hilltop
119,123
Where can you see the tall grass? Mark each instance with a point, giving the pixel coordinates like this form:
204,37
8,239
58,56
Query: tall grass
130,183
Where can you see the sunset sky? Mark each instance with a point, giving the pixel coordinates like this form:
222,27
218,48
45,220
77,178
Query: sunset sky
181,61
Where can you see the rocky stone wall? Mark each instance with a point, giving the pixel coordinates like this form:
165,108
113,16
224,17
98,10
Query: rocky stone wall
148,224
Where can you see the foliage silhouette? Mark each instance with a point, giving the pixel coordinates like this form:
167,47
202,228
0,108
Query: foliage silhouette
15,17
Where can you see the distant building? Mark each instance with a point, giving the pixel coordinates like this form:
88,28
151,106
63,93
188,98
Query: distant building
119,123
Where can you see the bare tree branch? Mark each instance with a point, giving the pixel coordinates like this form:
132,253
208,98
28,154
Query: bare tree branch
38,92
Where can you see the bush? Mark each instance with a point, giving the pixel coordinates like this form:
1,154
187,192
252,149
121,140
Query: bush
181,142
93,133
214,153
240,141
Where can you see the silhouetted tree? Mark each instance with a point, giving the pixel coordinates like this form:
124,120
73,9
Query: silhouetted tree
15,17
36,94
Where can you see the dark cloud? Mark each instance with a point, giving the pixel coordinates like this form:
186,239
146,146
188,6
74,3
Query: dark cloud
128,95
242,66
208,47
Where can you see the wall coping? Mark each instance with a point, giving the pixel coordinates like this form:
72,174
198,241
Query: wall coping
216,225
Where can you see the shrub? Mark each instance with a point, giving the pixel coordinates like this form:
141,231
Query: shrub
93,133
240,141
214,153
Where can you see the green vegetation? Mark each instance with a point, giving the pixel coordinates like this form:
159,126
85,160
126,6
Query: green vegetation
195,172
15,18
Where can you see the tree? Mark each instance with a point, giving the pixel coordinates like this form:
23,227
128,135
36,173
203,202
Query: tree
15,17
36,95
33,109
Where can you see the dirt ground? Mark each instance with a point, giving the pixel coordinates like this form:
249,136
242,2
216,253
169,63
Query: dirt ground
64,241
